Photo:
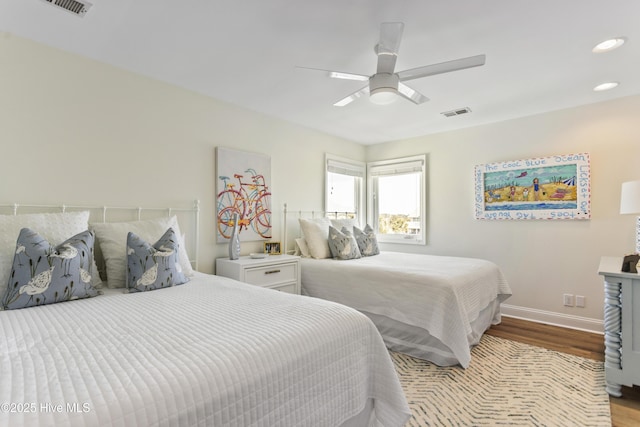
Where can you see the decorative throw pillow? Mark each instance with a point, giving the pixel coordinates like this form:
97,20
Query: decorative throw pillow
112,239
342,244
349,223
43,274
53,227
316,233
367,241
153,267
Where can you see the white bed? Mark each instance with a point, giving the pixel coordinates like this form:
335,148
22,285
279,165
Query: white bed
431,307
209,352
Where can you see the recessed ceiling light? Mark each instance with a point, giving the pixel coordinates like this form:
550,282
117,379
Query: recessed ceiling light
608,45
605,86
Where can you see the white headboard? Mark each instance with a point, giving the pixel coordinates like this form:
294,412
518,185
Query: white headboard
291,227
188,217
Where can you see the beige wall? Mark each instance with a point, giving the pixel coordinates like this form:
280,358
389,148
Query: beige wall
78,131
541,259
81,132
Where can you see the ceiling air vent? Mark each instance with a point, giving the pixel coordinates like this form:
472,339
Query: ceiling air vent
456,112
78,8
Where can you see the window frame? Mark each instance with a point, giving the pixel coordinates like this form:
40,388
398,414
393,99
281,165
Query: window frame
345,166
398,166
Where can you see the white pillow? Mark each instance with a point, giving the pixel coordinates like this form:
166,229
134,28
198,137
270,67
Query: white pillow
112,238
302,249
53,227
316,233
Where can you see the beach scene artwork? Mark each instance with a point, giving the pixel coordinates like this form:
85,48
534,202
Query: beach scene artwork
555,187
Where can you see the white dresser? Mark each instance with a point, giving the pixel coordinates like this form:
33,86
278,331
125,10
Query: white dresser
621,325
279,272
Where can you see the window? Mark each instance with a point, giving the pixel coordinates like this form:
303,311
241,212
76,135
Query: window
396,199
345,186
395,195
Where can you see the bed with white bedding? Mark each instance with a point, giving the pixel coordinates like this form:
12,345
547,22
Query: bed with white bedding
431,307
210,351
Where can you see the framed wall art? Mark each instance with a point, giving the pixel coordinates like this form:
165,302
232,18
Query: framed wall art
243,187
555,187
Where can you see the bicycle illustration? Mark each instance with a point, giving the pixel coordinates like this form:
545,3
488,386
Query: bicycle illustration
250,200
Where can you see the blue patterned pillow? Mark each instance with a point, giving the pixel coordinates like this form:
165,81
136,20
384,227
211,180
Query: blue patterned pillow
42,274
153,267
367,241
342,244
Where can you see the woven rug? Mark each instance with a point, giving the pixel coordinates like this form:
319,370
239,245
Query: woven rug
507,384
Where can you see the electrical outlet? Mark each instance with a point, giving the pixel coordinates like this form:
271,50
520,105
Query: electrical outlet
580,301
567,300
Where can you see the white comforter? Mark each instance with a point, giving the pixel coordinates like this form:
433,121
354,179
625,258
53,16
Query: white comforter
212,352
442,295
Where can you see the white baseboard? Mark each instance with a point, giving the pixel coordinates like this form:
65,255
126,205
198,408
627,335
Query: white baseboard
552,318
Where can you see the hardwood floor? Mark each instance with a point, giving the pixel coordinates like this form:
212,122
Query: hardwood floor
625,410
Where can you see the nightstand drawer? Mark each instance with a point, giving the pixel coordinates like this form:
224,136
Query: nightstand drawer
272,274
277,272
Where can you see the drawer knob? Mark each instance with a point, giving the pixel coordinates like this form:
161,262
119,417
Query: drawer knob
272,271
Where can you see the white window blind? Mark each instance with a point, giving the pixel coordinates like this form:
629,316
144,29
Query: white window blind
396,168
343,168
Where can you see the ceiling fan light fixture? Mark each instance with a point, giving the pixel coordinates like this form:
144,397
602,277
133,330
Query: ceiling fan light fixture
383,88
383,96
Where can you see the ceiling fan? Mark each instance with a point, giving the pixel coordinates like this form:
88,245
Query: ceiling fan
385,85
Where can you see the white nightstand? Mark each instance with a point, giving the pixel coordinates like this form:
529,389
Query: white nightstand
279,272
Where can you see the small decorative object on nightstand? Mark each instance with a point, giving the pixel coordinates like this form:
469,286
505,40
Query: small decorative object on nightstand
272,248
234,240
279,272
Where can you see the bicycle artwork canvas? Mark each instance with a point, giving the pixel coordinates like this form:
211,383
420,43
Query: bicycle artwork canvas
243,187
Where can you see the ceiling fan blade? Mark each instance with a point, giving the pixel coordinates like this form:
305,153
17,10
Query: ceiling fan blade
339,74
443,67
387,48
355,95
411,94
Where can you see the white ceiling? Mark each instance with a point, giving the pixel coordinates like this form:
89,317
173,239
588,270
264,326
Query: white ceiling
245,52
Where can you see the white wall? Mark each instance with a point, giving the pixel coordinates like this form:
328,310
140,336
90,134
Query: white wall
77,131
541,259
80,132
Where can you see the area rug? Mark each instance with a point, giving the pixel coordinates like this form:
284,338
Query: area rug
507,384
